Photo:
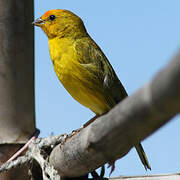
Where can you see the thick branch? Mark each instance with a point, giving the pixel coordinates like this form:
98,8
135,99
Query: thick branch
38,151
111,136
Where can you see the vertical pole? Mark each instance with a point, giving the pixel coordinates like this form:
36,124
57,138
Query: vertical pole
17,114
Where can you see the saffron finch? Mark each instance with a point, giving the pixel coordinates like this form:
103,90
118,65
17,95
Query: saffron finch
81,66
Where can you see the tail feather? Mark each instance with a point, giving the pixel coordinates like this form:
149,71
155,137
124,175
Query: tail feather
142,156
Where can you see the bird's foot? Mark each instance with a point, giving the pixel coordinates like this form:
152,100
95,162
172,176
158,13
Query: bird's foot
112,166
95,175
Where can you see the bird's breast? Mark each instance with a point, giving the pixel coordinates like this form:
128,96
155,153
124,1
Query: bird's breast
82,85
79,83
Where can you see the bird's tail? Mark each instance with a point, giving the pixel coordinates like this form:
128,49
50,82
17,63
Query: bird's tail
142,156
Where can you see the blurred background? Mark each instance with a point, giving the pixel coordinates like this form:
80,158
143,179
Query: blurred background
138,37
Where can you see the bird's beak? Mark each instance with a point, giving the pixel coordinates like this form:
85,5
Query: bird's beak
38,22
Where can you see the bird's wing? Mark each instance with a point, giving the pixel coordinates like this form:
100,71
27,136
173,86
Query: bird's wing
93,59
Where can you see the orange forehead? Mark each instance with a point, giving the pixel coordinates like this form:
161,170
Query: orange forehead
48,13
52,12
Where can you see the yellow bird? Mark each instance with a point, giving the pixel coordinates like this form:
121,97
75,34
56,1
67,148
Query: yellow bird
81,66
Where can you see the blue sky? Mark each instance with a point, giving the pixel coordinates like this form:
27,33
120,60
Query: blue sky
138,37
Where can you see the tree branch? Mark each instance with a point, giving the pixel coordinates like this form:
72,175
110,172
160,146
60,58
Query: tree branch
112,136
38,151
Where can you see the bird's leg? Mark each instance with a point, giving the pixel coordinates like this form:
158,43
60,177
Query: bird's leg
20,151
86,124
90,121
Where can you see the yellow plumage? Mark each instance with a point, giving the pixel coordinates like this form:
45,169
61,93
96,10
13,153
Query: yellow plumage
78,81
81,66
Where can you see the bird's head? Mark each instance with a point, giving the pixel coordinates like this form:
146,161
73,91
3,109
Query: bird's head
61,23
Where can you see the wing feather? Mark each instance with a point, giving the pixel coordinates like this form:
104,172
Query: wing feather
94,61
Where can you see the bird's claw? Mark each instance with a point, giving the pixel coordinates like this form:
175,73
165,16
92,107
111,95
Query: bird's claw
112,165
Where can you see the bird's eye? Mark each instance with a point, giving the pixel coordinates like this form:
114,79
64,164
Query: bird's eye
52,17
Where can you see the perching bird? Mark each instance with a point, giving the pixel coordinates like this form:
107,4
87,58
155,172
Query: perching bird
81,66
